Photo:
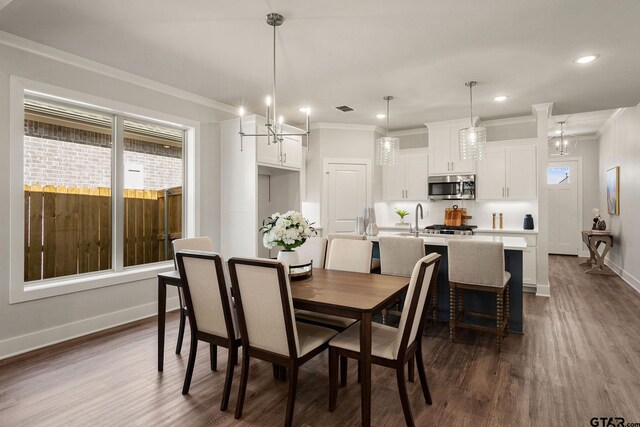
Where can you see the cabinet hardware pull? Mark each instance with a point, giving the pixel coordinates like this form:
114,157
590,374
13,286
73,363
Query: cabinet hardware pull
507,191
502,191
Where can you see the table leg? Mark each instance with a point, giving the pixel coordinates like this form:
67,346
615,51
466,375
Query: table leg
585,239
365,368
599,268
162,309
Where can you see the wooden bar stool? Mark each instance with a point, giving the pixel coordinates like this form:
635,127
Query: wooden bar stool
478,266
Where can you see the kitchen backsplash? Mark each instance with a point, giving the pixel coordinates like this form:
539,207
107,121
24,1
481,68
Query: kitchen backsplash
513,212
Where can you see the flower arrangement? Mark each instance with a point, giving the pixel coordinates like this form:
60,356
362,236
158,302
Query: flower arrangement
288,230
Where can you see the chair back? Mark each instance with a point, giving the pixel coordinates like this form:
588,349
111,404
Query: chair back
350,255
423,280
333,236
313,249
207,293
265,309
203,244
399,255
476,263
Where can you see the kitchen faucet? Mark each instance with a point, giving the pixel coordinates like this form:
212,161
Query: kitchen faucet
416,232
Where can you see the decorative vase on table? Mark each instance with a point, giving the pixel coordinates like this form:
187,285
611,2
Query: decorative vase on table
289,231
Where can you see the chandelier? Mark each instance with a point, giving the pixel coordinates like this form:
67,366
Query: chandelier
274,125
387,147
472,140
561,145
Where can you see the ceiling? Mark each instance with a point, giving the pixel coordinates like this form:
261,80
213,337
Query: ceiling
337,52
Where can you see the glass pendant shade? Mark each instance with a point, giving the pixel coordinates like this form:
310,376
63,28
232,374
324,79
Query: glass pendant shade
562,146
387,150
472,143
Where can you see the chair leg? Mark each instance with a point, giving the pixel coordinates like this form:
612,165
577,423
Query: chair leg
193,349
343,371
404,397
291,400
333,378
423,375
213,356
276,371
183,318
452,313
385,316
359,371
242,389
507,313
499,320
434,317
411,369
231,363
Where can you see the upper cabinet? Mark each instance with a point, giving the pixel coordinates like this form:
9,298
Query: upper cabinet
444,153
407,179
287,154
508,173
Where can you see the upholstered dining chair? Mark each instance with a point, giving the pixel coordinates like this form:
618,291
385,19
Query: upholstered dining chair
478,266
212,317
350,255
313,249
375,262
261,290
194,244
398,256
393,347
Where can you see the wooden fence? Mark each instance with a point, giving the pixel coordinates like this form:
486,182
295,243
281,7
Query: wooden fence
69,230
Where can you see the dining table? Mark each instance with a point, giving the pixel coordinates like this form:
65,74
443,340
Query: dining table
355,296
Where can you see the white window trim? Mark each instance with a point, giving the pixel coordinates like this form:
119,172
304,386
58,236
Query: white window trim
21,291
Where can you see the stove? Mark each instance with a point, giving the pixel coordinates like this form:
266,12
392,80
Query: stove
465,230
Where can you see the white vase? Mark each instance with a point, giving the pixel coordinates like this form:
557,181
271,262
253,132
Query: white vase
288,258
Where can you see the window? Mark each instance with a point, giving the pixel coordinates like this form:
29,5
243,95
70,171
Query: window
558,175
70,200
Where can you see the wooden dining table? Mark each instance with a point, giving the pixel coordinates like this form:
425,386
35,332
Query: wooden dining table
355,296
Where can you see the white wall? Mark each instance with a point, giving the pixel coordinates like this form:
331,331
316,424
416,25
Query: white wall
40,322
620,146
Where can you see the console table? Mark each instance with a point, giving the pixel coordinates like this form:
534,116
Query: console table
594,239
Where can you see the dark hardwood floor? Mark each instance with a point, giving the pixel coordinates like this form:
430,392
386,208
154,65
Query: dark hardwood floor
579,358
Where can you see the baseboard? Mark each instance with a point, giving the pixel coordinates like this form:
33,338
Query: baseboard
543,290
632,281
529,288
35,340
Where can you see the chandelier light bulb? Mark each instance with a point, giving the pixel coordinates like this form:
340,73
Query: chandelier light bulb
268,100
281,120
241,111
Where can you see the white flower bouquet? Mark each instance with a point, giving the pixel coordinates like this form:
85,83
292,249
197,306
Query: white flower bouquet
288,230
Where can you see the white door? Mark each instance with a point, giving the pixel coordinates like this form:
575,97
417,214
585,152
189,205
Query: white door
440,151
491,175
292,151
416,174
346,195
564,224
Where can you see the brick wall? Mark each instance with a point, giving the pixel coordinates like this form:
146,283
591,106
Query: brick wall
59,162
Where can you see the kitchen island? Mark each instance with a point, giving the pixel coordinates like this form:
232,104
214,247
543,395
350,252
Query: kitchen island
475,301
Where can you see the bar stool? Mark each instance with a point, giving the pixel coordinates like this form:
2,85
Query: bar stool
478,266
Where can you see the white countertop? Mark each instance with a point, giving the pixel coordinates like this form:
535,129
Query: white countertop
510,243
505,230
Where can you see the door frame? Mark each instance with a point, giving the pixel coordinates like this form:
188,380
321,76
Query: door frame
324,218
579,226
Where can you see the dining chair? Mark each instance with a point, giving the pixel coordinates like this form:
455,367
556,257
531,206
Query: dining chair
350,255
314,249
478,266
211,315
269,330
195,244
398,256
393,347
375,262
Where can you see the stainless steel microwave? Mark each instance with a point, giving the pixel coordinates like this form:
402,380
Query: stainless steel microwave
452,187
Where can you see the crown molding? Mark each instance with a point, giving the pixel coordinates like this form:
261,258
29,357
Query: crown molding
450,123
508,121
607,123
545,107
346,126
11,40
419,131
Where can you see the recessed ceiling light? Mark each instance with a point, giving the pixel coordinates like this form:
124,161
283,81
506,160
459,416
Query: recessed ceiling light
305,110
381,116
500,98
586,59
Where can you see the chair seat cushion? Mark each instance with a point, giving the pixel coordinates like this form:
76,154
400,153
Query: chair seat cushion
311,337
506,278
383,340
324,319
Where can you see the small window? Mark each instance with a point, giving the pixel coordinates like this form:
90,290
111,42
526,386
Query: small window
558,175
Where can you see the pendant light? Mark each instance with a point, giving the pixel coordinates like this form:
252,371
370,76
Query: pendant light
561,145
274,124
387,147
472,140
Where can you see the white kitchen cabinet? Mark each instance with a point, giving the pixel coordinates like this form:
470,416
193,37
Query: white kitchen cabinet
292,152
444,153
529,260
508,173
287,154
407,179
